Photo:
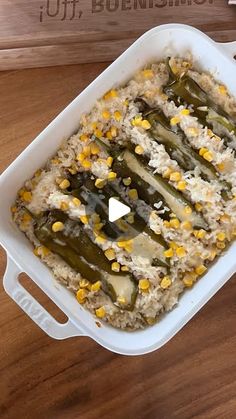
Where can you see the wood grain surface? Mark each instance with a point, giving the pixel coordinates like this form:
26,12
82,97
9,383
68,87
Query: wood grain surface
193,376
40,33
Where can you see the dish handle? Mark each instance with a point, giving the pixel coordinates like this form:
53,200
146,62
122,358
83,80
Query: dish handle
229,48
32,307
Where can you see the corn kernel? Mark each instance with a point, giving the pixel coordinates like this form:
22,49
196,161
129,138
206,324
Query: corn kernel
126,102
86,164
136,121
208,156
113,131
96,286
144,284
180,252
110,254
41,251
145,124
167,173
83,283
210,133
84,219
100,312
169,253
127,181
220,166
26,217
139,149
108,135
222,90
64,184
202,151
185,112
193,131
81,295
212,255
173,245
199,234
165,282
125,268
166,223
100,239
198,207
220,245
80,157
38,173
150,320
13,209
98,226
106,114
221,236
84,138
186,225
175,176
94,149
64,206
117,116
100,183
148,73
200,269
188,210
95,218
175,120
174,223
98,133
188,280
133,194
76,202
115,267
109,161
112,176
27,196
57,226
225,218
181,185
121,300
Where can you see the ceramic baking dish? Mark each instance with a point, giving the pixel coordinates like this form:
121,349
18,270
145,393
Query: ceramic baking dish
154,45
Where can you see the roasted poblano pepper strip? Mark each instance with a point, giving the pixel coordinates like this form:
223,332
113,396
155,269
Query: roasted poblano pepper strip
76,248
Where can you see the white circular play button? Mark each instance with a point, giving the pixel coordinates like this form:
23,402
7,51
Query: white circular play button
117,210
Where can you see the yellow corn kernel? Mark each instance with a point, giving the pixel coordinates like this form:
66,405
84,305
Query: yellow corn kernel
200,269
94,149
100,312
222,90
100,239
112,176
169,253
26,217
113,131
133,194
146,124
199,234
221,236
174,223
198,207
212,255
84,219
148,73
125,268
175,176
185,112
115,266
106,114
188,280
136,121
64,206
27,196
121,300
110,254
87,150
180,252
84,138
181,186
167,173
100,183
73,169
166,223
21,192
96,286
84,283
175,120
127,181
86,164
210,133
108,135
57,226
109,161
76,202
165,282
150,320
225,218
139,149
144,284
193,131
64,184
41,251
186,225
173,245
208,156
188,210
81,295
220,166
13,209
220,245
80,157
55,161
98,133
117,116
202,151
98,226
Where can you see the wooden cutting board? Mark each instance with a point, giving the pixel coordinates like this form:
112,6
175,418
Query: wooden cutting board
36,33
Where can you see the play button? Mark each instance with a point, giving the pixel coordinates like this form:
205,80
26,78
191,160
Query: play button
117,210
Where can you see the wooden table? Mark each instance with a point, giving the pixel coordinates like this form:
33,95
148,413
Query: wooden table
193,376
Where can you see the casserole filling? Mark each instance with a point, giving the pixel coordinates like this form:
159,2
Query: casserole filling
164,146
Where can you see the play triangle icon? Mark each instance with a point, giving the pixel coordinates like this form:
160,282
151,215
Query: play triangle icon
117,209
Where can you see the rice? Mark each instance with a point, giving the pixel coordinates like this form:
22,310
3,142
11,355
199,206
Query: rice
116,118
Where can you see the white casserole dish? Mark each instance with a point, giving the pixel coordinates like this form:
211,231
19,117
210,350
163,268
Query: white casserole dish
154,45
